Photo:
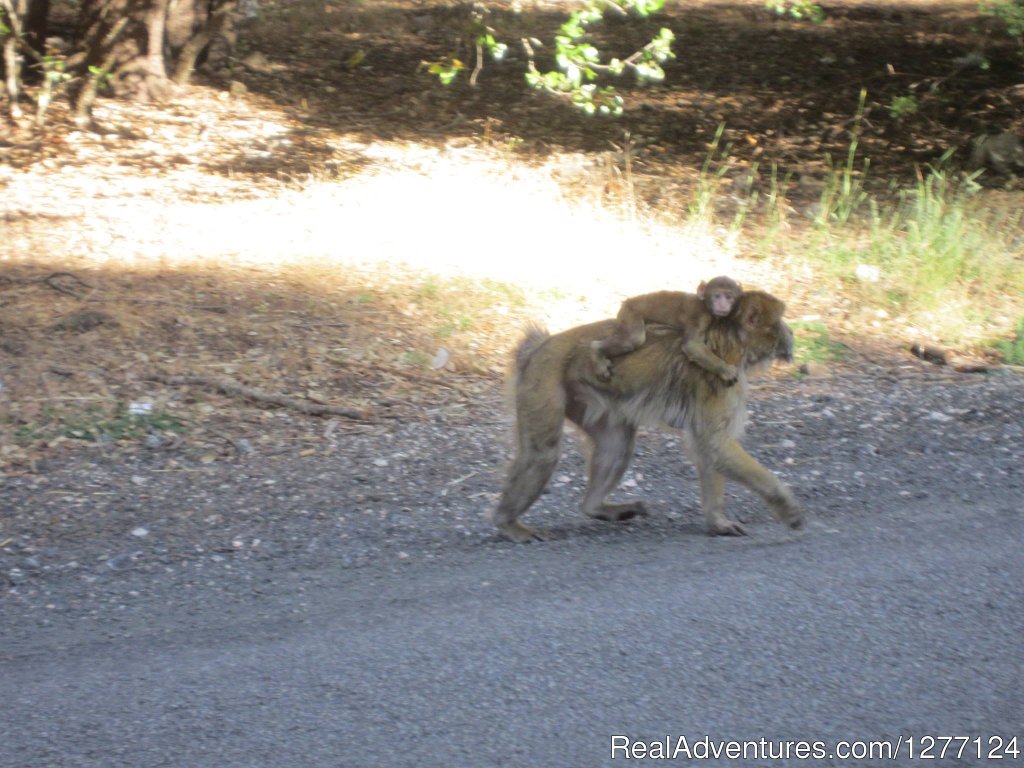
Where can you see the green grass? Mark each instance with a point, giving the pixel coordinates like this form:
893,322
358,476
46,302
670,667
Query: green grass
813,343
97,424
947,260
935,250
1012,350
948,255
94,425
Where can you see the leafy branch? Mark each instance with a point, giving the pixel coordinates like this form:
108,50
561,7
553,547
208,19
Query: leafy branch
801,10
578,60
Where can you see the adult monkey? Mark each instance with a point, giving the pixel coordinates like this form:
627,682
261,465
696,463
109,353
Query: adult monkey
655,384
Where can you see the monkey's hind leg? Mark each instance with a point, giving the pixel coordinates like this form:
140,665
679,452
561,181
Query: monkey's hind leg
526,480
611,452
630,334
539,447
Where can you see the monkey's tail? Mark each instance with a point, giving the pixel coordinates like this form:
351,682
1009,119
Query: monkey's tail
535,336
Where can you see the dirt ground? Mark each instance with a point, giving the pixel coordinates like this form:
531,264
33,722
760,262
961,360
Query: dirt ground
143,308
253,417
786,91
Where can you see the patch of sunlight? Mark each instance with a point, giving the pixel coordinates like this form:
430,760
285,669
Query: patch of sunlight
449,212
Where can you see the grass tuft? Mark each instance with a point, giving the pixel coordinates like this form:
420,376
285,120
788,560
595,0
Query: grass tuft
813,343
1012,350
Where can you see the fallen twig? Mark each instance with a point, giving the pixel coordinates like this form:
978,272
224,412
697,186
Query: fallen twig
233,388
419,378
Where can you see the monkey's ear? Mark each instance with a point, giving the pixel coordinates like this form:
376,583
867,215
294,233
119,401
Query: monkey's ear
750,315
700,288
757,310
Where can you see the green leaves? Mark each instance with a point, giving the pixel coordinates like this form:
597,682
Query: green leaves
53,68
492,46
446,69
580,61
902,107
802,10
1011,12
577,59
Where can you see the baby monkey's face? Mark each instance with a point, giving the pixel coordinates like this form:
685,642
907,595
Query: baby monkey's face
719,295
720,301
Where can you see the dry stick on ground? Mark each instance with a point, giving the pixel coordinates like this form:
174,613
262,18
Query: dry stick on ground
218,309
69,291
50,281
410,375
231,387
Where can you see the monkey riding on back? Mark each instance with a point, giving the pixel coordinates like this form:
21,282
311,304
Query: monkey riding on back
655,383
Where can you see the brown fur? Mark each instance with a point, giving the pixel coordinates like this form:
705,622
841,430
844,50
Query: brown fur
690,313
655,384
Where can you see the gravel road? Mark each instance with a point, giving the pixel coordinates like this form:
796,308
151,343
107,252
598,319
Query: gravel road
354,607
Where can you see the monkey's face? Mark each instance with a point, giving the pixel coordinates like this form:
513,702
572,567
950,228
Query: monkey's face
720,301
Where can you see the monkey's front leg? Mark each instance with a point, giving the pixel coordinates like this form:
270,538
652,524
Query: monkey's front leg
735,463
712,501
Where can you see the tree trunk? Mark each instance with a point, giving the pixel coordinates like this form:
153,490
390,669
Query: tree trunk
132,44
37,24
217,24
14,12
132,56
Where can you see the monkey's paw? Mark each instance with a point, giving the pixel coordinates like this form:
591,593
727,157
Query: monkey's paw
786,510
730,375
726,527
520,533
791,516
619,513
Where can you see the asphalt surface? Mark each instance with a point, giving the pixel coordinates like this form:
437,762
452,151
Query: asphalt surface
904,623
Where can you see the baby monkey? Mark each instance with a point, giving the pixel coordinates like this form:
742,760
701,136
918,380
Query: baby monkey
690,312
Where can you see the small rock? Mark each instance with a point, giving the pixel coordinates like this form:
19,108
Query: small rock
441,358
257,62
121,562
140,532
931,354
814,370
868,273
